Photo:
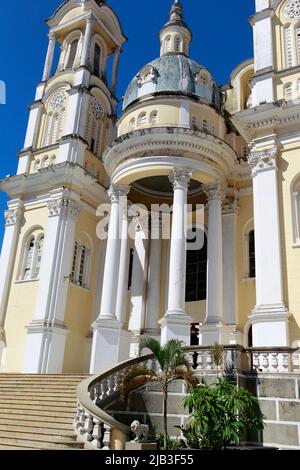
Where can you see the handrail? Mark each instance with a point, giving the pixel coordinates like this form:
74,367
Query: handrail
100,430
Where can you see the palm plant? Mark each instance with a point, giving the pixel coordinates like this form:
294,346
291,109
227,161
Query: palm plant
173,366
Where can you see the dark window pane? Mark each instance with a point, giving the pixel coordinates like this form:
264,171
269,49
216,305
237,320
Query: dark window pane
97,57
130,269
72,54
252,254
196,274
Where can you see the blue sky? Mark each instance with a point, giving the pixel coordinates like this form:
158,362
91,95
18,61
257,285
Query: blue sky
222,38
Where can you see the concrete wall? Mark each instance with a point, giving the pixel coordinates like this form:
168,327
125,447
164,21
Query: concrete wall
278,397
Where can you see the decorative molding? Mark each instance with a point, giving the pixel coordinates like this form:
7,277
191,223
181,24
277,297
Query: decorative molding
97,109
264,160
292,9
148,74
231,202
14,216
180,178
63,207
58,100
214,192
117,191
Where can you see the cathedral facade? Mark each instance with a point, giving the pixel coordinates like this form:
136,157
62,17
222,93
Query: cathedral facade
72,301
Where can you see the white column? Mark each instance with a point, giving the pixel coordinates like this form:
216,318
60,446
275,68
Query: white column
270,316
211,331
176,324
263,38
229,227
121,306
87,41
154,282
49,57
138,288
214,311
47,332
115,68
109,339
14,218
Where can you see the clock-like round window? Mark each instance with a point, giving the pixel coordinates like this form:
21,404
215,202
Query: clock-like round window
292,9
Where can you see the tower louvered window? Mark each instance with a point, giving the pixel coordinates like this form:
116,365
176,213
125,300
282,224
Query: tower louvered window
72,54
80,265
288,47
97,59
95,127
55,119
32,257
298,44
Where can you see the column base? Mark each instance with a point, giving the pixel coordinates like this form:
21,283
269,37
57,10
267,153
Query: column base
176,326
110,345
212,333
45,348
270,326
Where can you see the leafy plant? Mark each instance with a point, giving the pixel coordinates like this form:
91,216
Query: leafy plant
219,413
218,356
173,366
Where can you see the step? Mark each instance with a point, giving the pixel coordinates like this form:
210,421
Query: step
38,387
38,401
36,430
42,413
32,436
25,398
32,444
37,407
12,447
36,423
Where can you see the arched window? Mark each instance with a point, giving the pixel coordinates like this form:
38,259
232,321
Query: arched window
196,274
251,254
177,44
195,122
37,164
153,118
80,264
131,126
205,125
72,54
288,90
142,119
97,60
32,257
296,211
288,46
298,43
55,119
168,44
40,246
95,127
45,162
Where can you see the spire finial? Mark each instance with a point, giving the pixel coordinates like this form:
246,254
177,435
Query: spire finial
176,13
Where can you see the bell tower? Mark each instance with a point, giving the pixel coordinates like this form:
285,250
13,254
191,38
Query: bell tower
49,268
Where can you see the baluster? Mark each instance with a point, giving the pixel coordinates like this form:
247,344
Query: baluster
256,362
110,386
200,360
209,360
76,423
97,434
103,389
274,361
295,361
265,362
118,381
107,437
285,362
80,427
88,427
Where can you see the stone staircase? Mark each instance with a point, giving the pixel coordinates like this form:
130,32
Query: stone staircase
37,412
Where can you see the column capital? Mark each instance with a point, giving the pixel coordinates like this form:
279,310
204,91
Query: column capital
214,192
90,18
14,216
180,178
63,207
263,160
231,202
52,36
116,191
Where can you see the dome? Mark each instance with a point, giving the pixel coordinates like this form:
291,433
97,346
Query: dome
173,73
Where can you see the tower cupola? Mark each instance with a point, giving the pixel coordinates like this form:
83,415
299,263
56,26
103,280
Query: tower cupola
175,36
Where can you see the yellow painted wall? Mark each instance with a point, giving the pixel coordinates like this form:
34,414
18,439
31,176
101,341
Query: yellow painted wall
22,298
79,309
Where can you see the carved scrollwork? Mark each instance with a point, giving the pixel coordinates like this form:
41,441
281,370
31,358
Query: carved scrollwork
263,160
14,216
63,207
